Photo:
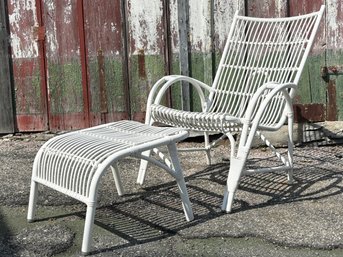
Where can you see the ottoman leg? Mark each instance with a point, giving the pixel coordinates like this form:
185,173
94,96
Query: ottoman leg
87,233
142,168
117,179
186,204
32,201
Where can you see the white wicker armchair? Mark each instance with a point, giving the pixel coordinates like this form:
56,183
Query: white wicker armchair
252,91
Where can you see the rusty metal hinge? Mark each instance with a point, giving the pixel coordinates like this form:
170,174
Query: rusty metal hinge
38,33
325,71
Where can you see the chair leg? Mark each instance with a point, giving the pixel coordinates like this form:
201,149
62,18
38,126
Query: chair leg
32,201
186,204
290,150
142,168
236,168
208,149
117,179
87,233
290,178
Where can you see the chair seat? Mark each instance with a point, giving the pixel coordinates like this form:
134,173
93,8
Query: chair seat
197,121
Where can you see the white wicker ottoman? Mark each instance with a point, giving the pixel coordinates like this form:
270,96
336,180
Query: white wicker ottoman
74,163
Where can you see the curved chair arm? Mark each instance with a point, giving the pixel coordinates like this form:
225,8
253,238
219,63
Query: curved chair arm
161,86
254,121
275,88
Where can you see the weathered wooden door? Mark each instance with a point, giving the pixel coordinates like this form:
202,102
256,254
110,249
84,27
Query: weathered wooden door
79,63
85,62
69,63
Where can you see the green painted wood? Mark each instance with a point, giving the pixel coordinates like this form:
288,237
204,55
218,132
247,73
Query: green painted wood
184,58
201,64
146,51
312,87
335,57
65,87
145,70
106,60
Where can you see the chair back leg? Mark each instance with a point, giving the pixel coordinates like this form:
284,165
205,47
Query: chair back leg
290,149
117,179
143,168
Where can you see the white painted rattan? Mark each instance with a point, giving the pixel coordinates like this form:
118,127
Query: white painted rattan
252,91
74,163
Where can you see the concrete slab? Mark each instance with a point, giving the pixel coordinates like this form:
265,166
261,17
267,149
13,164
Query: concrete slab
270,217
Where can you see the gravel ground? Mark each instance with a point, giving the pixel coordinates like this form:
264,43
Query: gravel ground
270,217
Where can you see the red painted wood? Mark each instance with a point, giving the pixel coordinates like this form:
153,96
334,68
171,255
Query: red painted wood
66,67
106,60
29,86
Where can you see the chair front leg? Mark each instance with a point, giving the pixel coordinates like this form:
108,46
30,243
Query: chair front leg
32,201
237,164
208,148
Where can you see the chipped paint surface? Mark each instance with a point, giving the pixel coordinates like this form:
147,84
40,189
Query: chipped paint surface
224,11
23,18
104,21
334,15
51,36
174,27
145,21
200,25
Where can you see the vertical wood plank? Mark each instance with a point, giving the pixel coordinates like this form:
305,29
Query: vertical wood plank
223,12
83,60
334,57
30,103
6,99
146,49
200,32
66,92
176,96
312,89
183,24
106,60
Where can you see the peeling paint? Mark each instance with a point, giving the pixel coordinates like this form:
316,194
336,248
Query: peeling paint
104,23
68,12
51,36
145,19
334,10
223,16
281,8
174,27
200,25
22,37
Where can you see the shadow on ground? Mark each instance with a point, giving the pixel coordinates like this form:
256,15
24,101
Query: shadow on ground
306,213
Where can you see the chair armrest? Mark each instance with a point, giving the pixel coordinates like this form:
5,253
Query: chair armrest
160,87
273,89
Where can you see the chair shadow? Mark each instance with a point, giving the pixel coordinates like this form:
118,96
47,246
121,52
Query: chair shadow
318,174
157,214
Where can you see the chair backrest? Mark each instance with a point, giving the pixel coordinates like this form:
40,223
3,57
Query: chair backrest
261,50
